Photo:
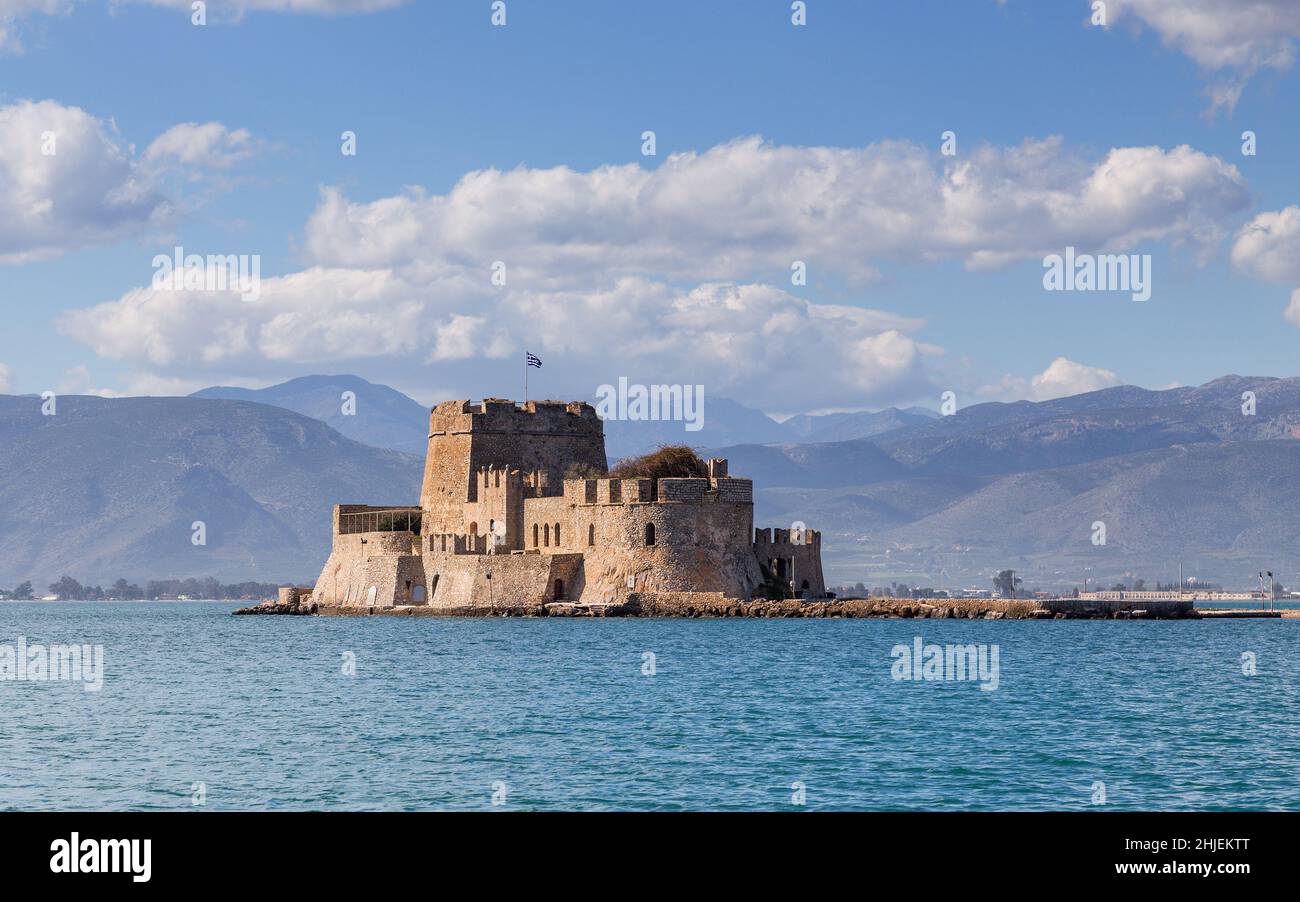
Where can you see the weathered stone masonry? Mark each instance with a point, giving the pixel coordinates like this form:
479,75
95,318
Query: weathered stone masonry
499,525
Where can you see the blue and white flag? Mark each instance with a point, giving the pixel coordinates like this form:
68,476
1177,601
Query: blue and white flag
534,361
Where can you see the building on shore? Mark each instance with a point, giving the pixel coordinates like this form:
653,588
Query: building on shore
517,510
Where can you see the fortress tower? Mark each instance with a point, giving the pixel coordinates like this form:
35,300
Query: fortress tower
540,436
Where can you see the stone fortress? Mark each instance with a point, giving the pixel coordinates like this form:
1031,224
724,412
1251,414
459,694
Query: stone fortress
500,527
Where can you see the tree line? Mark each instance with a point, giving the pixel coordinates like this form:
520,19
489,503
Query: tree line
208,587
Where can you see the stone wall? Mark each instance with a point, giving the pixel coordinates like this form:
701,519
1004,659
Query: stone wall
500,501
684,490
1109,607
696,548
787,553
371,569
735,491
379,570
481,582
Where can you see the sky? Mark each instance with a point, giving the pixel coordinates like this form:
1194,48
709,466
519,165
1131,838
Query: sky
501,198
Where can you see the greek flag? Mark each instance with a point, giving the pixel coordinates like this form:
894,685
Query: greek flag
534,361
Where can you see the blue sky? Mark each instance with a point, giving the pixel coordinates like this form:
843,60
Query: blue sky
434,91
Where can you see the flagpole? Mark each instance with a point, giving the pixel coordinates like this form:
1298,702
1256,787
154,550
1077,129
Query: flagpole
525,378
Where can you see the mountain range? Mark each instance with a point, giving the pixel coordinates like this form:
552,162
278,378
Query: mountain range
1206,475
1196,475
109,488
378,415
363,411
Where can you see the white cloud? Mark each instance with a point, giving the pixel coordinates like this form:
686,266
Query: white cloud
1065,377
87,191
1268,247
6,378
1236,39
747,340
676,274
208,146
1292,312
68,180
1062,378
748,205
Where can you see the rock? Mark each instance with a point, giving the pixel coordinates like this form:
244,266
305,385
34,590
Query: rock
297,607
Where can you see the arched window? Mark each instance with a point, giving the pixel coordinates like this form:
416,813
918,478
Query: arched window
557,535
649,533
473,536
591,534
433,586
535,532
546,535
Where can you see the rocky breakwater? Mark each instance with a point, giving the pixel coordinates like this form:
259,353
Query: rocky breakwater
702,605
292,600
698,604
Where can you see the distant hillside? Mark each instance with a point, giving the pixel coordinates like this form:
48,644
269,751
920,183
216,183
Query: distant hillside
110,488
384,417
839,427
1008,438
815,465
1177,475
725,423
1227,510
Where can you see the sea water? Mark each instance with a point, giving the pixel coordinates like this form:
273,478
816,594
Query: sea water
199,709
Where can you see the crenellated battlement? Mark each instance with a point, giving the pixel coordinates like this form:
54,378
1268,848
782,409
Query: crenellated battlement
787,537
498,415
670,490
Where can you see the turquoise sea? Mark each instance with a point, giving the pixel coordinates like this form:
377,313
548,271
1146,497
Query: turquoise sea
566,714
